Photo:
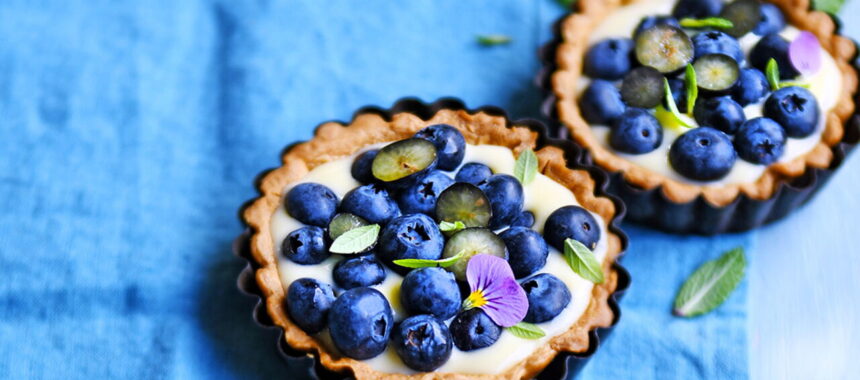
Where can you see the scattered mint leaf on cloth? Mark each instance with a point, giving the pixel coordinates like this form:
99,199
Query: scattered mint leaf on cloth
422,263
526,166
355,240
710,285
709,22
527,331
493,39
451,227
582,261
829,6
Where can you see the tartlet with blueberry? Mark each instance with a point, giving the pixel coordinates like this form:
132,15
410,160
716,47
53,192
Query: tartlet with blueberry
705,110
437,243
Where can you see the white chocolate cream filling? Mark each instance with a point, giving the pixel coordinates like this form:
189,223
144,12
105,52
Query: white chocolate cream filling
542,197
825,85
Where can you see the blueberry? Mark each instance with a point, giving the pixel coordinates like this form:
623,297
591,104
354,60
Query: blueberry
473,329
372,203
527,251
636,132
772,20
744,15
716,42
343,222
716,74
664,47
470,242
401,163
795,108
525,219
720,112
697,8
360,323
358,271
361,168
449,142
571,222
776,47
609,59
703,154
652,21
601,102
420,198
305,246
423,342
413,236
679,95
505,194
308,303
751,87
473,173
548,296
312,203
430,291
643,87
463,202
760,141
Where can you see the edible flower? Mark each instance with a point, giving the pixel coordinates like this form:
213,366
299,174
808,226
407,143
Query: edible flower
495,290
804,53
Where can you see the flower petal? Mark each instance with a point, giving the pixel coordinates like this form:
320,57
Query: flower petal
805,53
507,303
483,269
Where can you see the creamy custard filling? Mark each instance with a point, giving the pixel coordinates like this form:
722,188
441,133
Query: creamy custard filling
825,85
542,197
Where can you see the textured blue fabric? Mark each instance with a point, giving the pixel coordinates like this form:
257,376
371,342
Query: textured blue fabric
130,133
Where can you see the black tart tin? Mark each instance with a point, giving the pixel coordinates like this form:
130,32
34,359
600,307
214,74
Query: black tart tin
652,208
565,364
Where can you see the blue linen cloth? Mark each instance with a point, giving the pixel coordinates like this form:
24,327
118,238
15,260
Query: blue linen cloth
130,133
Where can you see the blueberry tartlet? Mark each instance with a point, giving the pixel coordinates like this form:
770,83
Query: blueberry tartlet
704,110
442,244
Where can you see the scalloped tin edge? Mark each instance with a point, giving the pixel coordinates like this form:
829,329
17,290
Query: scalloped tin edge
652,208
564,364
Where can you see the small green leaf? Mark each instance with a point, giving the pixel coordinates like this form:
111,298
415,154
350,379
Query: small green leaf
451,227
709,22
710,285
582,261
772,74
829,6
355,240
673,108
493,39
568,4
791,83
421,263
692,88
527,331
526,166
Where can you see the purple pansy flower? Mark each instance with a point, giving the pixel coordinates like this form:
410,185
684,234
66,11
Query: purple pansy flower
495,290
805,53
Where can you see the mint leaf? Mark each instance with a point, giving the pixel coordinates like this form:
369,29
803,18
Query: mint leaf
709,22
526,166
772,74
527,331
710,285
673,108
422,263
582,261
355,240
493,39
451,227
792,83
829,6
568,4
692,86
